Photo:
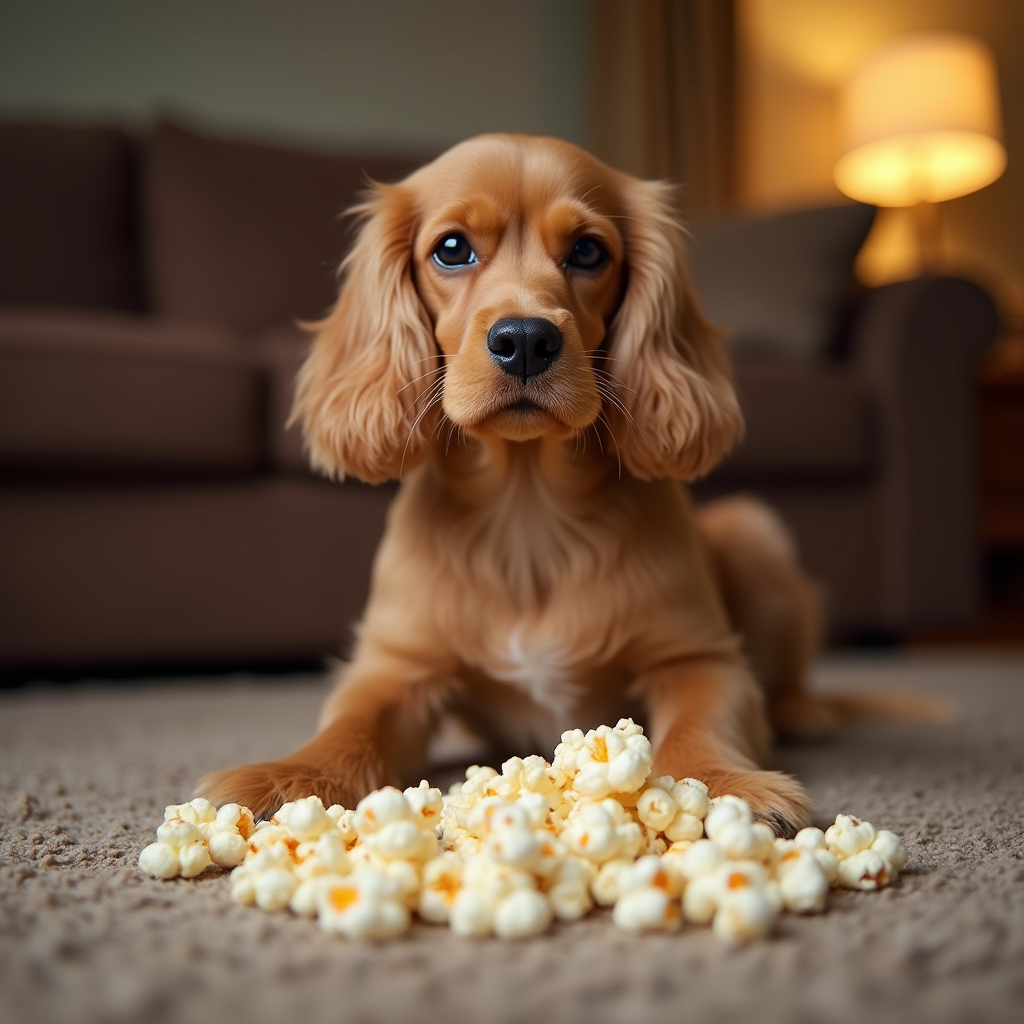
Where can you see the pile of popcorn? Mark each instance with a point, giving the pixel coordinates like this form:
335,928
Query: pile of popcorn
508,854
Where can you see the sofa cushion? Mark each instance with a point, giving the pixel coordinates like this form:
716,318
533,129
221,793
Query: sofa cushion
804,422
67,217
248,235
778,284
107,392
280,352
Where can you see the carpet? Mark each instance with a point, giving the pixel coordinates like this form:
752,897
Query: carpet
85,771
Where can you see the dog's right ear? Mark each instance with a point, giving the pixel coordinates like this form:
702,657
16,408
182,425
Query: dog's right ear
362,395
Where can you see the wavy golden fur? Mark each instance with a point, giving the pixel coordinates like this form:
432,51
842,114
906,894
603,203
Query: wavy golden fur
543,567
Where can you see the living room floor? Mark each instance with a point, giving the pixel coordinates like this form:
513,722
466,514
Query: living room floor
85,771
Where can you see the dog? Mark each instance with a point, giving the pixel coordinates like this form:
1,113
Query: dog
517,339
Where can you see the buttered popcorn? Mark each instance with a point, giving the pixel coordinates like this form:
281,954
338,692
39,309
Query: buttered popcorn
509,853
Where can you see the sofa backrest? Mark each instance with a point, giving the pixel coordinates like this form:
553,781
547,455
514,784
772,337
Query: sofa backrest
68,226
247,235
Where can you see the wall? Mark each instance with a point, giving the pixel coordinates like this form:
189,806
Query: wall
394,75
794,54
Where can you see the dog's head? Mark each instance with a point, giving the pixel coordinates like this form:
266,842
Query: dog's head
519,288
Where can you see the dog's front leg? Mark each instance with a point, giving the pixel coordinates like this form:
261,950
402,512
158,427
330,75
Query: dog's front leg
708,722
375,723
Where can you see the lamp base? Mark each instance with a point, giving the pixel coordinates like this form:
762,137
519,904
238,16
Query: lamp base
928,228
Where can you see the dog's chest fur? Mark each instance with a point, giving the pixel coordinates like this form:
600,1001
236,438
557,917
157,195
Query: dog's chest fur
542,668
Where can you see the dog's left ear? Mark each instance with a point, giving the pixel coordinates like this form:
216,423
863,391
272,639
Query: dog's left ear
364,395
683,415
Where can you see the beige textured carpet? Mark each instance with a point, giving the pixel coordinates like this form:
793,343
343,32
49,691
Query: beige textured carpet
85,772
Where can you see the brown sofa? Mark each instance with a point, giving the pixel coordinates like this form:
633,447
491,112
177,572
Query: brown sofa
153,509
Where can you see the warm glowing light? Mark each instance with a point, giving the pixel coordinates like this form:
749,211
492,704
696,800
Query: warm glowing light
922,122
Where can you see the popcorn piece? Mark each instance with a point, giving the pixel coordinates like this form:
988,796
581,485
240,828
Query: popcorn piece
442,882
613,760
606,887
472,913
521,913
600,831
235,818
345,821
569,894
745,914
649,898
402,840
888,846
363,905
649,872
426,804
195,858
647,909
380,808
273,888
656,809
702,858
803,885
740,840
305,819
516,847
709,892
305,899
866,870
227,849
160,860
725,811
568,751
849,835
177,832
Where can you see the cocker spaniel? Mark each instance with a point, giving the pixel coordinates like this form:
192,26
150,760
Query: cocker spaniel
517,339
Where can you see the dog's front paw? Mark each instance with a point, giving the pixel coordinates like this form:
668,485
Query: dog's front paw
775,798
263,788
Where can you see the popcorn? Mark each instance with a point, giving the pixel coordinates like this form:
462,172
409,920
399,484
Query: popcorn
613,760
273,888
647,909
521,913
803,884
745,914
569,893
227,849
507,853
442,882
380,808
867,859
363,906
865,869
849,835
160,860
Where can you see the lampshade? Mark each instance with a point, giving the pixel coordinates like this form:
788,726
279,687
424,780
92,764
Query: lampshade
921,121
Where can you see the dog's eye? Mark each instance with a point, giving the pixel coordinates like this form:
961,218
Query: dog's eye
454,251
587,254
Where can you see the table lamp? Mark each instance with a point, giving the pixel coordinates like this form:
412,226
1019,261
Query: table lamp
922,124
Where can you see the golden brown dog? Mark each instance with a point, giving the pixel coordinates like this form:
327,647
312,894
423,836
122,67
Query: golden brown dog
517,339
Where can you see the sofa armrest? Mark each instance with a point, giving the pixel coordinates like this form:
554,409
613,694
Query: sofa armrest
917,343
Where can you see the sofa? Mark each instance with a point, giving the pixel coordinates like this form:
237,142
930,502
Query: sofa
155,510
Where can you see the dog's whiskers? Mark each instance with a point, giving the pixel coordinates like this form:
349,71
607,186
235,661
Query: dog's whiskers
436,392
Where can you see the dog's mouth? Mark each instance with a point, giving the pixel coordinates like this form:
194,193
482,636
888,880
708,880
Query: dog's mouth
520,418
524,407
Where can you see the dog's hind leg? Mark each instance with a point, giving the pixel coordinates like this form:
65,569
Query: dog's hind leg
775,608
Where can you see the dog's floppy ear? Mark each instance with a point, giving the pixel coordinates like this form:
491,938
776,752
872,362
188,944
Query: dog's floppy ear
681,413
361,395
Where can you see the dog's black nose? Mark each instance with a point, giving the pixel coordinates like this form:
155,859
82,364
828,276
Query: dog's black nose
524,346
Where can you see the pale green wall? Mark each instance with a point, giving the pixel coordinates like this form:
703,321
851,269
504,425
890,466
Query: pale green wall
392,74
